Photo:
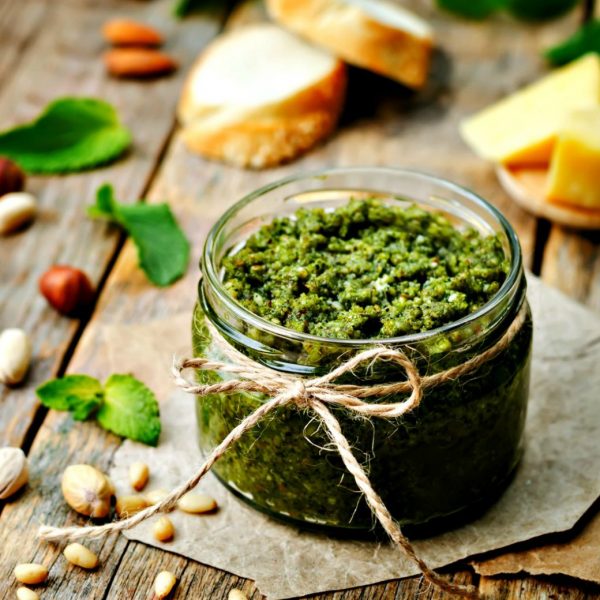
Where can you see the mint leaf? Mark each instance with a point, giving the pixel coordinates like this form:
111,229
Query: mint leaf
80,394
586,39
182,8
539,10
71,134
130,409
162,247
472,9
105,204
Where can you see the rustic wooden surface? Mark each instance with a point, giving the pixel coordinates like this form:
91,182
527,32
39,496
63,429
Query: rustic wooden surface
52,48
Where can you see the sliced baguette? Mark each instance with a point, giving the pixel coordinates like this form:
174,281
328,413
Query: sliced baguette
378,35
260,96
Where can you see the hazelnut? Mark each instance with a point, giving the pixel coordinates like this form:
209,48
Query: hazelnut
12,179
68,290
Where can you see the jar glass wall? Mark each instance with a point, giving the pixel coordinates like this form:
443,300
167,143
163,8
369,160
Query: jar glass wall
454,453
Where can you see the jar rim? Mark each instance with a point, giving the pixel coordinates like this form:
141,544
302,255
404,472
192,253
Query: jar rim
211,271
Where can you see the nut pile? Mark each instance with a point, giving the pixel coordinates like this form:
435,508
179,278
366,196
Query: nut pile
134,54
88,491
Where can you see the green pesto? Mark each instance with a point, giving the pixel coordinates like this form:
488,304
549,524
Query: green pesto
365,270
455,451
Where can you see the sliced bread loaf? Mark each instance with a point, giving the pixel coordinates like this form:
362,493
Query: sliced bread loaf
378,35
260,96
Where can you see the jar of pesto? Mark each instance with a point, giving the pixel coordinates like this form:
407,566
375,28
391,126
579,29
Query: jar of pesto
304,273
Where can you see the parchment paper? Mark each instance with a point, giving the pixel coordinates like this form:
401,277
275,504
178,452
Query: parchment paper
579,557
556,482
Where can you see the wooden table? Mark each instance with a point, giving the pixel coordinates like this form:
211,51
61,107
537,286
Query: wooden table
52,48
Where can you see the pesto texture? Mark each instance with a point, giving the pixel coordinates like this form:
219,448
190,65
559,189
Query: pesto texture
365,270
369,270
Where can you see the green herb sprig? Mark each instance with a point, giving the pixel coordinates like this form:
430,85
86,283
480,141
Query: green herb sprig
527,10
586,39
71,134
162,247
124,405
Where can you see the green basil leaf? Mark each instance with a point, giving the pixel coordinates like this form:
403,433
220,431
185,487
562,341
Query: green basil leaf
539,10
80,394
587,39
162,247
130,410
472,9
72,134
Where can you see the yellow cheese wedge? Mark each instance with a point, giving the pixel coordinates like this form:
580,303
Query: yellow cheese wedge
521,130
574,176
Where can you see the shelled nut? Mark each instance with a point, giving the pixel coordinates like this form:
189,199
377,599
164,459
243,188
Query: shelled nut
15,356
164,583
67,289
24,593
16,210
138,475
155,496
31,573
12,178
129,505
196,503
79,555
126,32
163,529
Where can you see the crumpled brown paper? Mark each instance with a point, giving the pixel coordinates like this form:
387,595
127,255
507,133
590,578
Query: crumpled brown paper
556,482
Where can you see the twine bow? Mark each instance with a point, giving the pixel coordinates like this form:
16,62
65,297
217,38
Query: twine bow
316,395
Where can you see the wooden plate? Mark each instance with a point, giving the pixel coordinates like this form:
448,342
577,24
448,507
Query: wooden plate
526,187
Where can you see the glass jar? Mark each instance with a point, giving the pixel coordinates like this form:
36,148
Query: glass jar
433,467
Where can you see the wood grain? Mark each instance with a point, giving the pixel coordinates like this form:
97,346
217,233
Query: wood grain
383,124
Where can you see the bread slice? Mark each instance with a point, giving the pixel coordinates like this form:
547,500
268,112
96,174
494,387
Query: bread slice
260,96
378,35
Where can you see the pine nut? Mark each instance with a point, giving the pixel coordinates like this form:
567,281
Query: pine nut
196,503
31,573
24,593
163,529
155,496
163,584
138,475
81,556
129,505
237,595
16,209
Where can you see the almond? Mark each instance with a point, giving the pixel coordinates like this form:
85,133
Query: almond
125,32
138,62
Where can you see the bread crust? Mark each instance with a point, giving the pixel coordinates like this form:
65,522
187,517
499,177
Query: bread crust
358,38
267,135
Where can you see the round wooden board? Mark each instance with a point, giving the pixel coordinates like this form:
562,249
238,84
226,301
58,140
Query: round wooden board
526,187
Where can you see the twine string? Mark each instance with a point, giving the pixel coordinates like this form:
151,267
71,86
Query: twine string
316,395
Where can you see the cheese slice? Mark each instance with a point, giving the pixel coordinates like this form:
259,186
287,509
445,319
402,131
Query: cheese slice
574,176
521,130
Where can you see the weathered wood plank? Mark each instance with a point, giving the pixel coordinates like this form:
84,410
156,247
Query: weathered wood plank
572,264
19,24
65,59
540,588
